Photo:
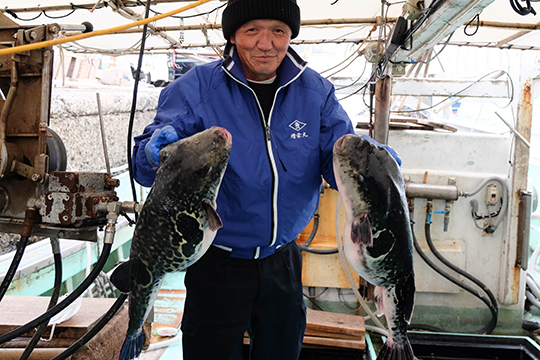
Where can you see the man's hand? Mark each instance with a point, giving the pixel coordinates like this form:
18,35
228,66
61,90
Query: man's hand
386,147
160,138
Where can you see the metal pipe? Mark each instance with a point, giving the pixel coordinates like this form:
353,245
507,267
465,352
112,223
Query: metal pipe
514,130
71,6
10,99
113,30
103,136
383,89
426,191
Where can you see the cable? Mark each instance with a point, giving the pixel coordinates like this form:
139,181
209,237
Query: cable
18,18
52,302
113,30
313,302
502,213
58,17
490,215
305,246
440,51
477,18
493,307
26,231
459,92
363,86
522,10
134,107
21,246
449,278
191,16
97,328
66,302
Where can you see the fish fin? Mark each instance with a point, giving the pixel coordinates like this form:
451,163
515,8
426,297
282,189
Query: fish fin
378,298
121,277
394,351
361,230
132,346
214,221
407,288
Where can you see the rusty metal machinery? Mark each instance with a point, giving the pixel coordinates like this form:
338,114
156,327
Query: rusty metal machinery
32,156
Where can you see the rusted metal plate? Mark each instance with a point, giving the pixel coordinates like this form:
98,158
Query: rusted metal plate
71,197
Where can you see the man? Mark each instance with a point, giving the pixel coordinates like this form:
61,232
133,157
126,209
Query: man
284,119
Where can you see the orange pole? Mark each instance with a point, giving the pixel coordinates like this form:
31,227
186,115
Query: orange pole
112,30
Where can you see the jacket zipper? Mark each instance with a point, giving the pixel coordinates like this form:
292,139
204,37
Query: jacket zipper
270,154
273,169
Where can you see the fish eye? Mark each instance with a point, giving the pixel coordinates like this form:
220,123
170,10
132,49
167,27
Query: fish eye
360,178
164,156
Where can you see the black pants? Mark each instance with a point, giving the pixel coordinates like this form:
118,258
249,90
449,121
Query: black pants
227,296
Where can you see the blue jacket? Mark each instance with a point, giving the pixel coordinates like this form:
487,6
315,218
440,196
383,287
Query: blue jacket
271,187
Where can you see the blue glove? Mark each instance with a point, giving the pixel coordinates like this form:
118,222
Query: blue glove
386,147
160,138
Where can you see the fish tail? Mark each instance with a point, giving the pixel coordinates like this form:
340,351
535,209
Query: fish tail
132,347
394,351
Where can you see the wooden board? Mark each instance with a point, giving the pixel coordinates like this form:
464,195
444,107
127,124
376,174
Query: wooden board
16,311
341,343
332,330
404,123
315,333
105,345
334,324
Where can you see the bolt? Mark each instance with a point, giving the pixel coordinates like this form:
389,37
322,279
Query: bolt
36,177
33,35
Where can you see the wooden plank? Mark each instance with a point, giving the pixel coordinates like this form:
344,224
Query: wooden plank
335,323
437,125
37,354
397,126
310,332
16,311
359,343
22,342
341,343
107,343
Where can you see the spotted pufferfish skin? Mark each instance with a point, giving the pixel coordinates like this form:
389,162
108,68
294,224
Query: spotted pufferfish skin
176,226
377,239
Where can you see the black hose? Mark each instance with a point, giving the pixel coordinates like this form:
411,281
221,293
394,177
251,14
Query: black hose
21,246
66,302
522,10
488,328
94,330
52,302
493,307
134,107
305,245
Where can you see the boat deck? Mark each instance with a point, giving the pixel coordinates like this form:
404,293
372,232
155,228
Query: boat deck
168,310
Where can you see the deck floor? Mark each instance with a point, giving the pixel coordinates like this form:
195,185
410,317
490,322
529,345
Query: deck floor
168,310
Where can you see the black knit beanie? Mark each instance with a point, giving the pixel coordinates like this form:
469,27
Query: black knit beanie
239,12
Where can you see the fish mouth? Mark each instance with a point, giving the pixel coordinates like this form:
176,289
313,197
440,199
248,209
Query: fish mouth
339,145
224,134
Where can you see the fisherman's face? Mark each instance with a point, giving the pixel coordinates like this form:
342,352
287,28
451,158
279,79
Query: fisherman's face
261,46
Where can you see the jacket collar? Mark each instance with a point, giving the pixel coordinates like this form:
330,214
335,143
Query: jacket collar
291,67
